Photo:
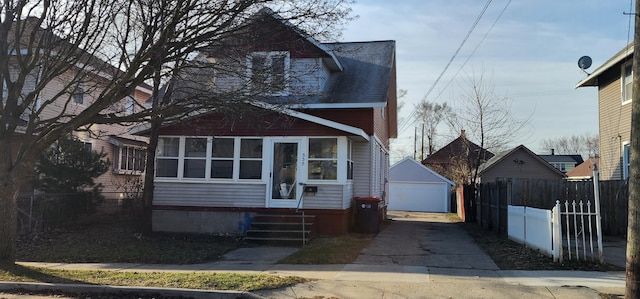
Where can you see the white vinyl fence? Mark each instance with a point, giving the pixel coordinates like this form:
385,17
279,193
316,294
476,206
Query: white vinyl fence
532,227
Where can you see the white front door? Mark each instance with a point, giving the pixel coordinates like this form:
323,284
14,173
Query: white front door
285,190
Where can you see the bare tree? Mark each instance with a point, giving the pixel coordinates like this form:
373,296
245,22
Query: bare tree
585,145
430,115
486,119
51,51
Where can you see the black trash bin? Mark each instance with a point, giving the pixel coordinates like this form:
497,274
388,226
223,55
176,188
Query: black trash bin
367,215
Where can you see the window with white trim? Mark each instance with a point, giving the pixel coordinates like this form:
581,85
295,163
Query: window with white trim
78,95
129,159
222,158
209,158
269,72
627,83
250,159
626,157
323,159
167,157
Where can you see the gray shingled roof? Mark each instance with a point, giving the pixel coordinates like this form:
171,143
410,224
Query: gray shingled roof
364,81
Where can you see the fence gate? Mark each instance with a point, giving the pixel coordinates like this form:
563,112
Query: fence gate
576,222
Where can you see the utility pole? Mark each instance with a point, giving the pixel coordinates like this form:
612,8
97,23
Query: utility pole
422,144
632,289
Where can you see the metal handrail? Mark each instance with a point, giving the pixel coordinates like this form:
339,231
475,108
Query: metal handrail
304,236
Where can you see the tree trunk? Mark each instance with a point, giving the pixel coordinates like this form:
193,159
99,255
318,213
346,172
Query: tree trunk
632,289
147,194
8,219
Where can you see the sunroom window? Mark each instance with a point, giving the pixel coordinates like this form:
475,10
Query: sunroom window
195,155
167,157
222,158
250,158
209,158
323,158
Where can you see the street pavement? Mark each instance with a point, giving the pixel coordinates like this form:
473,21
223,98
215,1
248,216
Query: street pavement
419,255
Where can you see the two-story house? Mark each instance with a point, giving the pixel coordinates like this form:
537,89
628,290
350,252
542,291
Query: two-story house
337,106
614,82
60,98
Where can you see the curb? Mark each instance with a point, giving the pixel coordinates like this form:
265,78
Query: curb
87,288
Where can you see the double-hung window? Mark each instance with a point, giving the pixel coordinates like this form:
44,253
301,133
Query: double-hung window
222,158
627,83
167,157
209,158
129,159
195,157
323,159
269,72
250,159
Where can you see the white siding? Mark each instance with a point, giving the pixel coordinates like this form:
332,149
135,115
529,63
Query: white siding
329,197
305,76
361,169
209,195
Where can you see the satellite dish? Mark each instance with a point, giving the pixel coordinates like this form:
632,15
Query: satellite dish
584,62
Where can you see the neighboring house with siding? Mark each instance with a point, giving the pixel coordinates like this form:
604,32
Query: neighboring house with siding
613,80
70,93
213,176
563,163
520,163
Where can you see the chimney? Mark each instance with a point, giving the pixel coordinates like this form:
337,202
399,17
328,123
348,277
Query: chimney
553,152
463,134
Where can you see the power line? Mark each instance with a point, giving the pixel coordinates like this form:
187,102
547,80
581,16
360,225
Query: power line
474,49
484,9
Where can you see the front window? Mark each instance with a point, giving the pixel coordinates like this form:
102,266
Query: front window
323,158
206,158
195,155
627,80
222,158
250,158
167,157
269,72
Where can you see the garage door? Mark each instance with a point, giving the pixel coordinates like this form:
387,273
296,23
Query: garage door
418,197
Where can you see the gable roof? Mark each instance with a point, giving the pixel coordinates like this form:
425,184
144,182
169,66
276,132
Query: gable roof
456,148
577,159
592,79
584,170
498,158
410,170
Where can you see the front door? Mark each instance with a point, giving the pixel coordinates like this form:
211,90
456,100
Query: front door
284,185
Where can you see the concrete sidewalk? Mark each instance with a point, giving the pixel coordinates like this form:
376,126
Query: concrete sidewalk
419,255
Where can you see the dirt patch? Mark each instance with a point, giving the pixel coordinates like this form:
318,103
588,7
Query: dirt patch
509,255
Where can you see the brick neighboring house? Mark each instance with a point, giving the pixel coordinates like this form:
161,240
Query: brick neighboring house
614,82
456,159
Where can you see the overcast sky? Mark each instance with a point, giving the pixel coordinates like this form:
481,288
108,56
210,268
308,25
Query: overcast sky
531,53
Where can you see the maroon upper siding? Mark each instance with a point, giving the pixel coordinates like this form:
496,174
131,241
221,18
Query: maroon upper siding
272,124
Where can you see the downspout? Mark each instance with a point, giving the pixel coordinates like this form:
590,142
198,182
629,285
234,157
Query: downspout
371,164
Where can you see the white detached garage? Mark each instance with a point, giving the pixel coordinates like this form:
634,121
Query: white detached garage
415,187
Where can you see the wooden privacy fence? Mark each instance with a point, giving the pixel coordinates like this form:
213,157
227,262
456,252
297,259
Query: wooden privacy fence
487,203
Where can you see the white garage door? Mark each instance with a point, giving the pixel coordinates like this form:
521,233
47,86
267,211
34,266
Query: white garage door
418,197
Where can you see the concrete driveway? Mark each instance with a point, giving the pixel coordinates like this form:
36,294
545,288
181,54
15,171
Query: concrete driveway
425,239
